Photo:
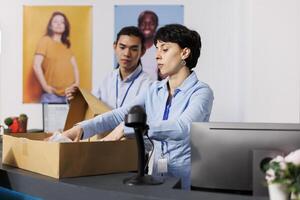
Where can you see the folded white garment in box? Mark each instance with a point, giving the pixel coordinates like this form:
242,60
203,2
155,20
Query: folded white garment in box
58,137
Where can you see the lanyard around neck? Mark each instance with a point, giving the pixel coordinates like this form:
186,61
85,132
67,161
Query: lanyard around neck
168,105
167,108
126,93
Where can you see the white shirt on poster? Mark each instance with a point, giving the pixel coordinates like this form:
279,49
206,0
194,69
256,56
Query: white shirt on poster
149,62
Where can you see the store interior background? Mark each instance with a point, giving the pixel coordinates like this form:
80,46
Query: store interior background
250,55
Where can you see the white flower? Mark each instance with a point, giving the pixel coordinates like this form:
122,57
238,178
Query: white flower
293,157
270,174
281,160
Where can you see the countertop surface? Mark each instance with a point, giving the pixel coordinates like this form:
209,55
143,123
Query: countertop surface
101,187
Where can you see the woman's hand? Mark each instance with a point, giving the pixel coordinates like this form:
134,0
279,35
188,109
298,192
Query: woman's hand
74,133
49,89
116,134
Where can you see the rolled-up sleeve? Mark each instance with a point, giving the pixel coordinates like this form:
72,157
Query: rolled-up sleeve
108,121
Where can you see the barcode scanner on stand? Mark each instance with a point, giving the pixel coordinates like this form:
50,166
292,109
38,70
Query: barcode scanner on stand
136,118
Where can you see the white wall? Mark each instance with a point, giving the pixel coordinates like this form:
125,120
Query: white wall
250,58
249,55
276,63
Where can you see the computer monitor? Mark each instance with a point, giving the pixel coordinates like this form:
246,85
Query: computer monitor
226,156
54,117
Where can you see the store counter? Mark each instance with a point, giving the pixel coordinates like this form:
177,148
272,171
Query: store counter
100,187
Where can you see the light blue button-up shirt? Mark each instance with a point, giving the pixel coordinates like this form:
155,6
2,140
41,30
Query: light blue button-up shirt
115,92
192,102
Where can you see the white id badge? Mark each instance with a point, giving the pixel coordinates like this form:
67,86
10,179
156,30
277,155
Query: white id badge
162,165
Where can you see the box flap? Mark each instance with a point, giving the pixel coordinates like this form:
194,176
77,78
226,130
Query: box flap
84,106
96,105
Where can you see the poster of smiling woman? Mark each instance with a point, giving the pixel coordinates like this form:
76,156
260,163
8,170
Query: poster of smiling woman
57,51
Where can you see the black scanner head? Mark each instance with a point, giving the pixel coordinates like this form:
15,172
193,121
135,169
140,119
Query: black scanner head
136,117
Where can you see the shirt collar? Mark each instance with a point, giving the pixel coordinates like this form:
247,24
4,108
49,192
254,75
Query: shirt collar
131,76
191,80
163,84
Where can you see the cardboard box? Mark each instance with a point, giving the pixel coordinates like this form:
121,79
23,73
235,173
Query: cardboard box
29,151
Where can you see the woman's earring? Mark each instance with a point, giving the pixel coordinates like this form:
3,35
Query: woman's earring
183,62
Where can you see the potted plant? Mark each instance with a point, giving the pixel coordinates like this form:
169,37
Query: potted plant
17,124
294,159
12,124
8,121
277,179
1,132
283,177
23,123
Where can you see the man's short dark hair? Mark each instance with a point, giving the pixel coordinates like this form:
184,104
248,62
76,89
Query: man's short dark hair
131,31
